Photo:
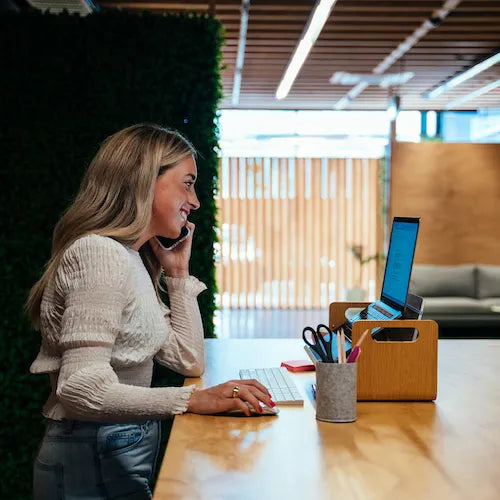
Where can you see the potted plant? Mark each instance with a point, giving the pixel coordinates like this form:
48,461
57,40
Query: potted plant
357,292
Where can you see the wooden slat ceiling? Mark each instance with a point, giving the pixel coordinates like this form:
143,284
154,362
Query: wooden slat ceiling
358,35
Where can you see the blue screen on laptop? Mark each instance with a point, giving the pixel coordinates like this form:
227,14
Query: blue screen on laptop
399,261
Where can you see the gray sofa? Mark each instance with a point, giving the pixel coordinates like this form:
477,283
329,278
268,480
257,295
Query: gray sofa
459,296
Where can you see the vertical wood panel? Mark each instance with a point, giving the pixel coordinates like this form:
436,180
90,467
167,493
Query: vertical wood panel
276,224
225,217
308,223
250,249
365,220
325,233
233,233
315,241
268,257
373,197
243,230
292,234
299,193
238,239
349,214
282,246
219,265
334,228
358,220
341,237
259,239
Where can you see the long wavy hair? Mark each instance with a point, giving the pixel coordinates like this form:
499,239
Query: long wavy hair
115,198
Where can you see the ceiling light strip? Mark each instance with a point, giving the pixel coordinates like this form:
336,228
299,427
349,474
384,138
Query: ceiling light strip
311,31
240,58
472,95
434,20
464,76
351,95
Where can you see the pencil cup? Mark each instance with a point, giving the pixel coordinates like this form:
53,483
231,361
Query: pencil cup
336,392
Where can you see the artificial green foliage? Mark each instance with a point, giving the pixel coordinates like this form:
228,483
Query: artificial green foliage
67,83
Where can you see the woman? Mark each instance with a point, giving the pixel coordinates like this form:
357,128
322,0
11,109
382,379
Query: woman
102,321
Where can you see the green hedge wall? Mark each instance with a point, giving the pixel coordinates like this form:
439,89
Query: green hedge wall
66,83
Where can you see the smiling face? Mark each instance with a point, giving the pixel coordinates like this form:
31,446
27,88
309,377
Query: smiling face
174,198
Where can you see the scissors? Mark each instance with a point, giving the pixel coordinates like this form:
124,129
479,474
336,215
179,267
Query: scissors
321,345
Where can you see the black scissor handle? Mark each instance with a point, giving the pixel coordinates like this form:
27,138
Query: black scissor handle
326,340
328,331
313,340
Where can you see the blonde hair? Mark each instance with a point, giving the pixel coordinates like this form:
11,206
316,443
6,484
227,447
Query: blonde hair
116,197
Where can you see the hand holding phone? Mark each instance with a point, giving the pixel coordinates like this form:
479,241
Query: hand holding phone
174,263
171,243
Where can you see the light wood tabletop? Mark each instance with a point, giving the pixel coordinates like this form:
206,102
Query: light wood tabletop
445,449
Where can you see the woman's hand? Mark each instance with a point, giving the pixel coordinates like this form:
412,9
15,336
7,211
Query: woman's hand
220,397
175,262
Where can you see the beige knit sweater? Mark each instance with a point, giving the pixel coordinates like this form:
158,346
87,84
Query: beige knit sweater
102,326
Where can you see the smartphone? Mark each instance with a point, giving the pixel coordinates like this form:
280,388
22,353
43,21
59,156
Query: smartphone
414,309
171,243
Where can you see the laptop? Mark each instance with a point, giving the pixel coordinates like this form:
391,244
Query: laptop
397,275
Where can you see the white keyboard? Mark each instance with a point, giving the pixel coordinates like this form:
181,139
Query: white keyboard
278,381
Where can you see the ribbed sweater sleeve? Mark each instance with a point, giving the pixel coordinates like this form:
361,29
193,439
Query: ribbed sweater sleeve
183,351
94,275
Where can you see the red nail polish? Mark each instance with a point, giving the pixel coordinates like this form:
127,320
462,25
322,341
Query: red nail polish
272,403
260,409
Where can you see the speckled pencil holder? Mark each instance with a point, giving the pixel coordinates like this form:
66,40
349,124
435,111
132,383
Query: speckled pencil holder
336,392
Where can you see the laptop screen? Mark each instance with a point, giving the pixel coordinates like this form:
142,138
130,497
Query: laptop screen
399,261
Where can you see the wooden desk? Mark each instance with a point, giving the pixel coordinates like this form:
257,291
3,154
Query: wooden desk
443,450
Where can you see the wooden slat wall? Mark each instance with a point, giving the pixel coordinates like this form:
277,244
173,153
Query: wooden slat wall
285,228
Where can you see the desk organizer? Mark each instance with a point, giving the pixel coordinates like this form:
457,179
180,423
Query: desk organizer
393,370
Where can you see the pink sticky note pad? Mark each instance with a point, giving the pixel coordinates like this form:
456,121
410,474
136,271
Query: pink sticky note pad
298,365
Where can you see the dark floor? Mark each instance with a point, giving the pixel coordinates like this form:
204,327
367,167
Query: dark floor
468,333
266,323
288,323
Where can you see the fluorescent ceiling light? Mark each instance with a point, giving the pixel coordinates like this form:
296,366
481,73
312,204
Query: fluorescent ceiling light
385,80
245,6
472,95
311,32
293,69
342,103
350,96
462,77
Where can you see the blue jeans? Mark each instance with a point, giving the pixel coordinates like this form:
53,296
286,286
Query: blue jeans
87,460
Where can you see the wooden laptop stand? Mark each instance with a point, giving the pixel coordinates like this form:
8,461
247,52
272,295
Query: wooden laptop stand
393,370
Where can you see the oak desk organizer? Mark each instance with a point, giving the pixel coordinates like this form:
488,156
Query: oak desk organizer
393,370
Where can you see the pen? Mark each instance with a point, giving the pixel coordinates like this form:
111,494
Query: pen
356,351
